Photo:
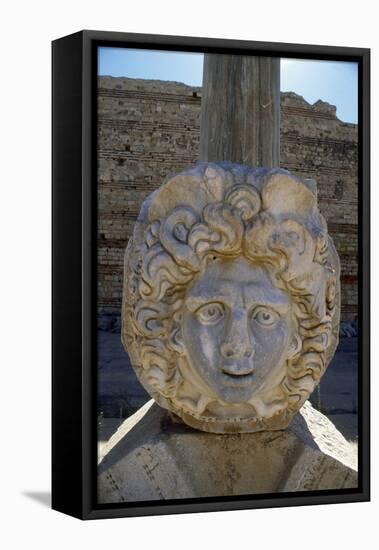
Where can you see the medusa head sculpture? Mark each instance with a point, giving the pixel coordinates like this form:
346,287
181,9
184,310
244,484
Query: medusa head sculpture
231,296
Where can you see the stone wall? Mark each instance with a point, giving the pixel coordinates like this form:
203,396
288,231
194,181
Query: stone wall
148,129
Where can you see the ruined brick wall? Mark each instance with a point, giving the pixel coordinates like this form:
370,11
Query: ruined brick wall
148,129
315,144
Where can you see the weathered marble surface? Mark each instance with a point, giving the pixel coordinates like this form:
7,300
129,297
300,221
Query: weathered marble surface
231,297
240,119
152,456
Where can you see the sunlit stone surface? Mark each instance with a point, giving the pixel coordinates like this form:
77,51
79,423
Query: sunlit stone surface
230,317
152,457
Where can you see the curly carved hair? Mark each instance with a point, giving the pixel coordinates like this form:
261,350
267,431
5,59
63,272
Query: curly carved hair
268,216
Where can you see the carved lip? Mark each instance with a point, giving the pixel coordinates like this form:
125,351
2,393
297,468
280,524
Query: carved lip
238,377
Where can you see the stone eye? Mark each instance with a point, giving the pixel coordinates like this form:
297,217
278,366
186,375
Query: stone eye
210,314
265,316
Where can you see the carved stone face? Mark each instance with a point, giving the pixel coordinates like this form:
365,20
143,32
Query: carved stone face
236,329
231,296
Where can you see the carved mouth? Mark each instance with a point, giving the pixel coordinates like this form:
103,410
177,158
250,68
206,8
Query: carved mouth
238,378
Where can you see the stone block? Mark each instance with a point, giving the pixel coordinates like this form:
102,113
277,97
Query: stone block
153,456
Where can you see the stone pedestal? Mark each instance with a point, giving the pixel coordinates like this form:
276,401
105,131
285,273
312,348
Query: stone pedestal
152,456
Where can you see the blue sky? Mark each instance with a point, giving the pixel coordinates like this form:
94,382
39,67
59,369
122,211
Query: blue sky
331,81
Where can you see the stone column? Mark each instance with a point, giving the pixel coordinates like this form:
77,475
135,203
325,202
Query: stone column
240,116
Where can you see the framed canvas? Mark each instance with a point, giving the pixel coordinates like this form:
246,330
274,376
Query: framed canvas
210,275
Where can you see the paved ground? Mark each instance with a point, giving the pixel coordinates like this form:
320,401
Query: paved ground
337,393
347,424
120,393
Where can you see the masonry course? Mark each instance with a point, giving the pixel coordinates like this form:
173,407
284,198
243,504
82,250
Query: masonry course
148,129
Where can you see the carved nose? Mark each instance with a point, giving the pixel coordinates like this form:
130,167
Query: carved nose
237,342
235,351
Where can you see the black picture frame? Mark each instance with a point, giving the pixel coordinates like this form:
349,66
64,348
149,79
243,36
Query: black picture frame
74,429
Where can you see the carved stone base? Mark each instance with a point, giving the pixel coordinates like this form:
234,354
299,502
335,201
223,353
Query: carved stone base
152,457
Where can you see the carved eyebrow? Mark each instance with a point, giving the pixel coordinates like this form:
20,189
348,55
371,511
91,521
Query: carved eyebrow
194,302
274,301
279,307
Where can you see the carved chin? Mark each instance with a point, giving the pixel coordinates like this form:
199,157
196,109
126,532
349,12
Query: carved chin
231,414
240,399
242,389
235,394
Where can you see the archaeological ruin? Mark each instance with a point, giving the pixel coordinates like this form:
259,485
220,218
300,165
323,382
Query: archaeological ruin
149,129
